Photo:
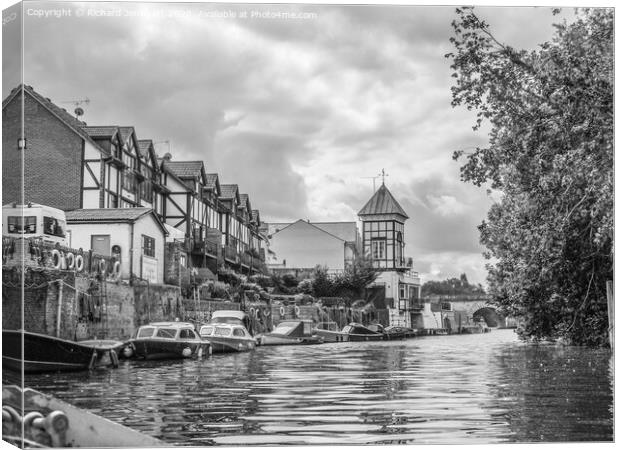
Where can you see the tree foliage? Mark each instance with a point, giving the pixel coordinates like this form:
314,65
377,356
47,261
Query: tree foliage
349,284
452,286
550,154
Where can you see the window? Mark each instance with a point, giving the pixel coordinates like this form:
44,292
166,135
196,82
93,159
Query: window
403,290
219,331
378,248
129,181
146,191
148,246
182,261
145,332
206,331
186,333
238,332
26,224
53,226
167,333
113,201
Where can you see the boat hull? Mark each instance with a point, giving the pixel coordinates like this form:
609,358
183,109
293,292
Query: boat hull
49,354
230,345
353,337
165,349
332,336
270,339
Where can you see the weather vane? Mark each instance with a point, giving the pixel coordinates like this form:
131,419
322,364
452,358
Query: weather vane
383,175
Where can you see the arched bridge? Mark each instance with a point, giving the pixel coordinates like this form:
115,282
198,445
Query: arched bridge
475,307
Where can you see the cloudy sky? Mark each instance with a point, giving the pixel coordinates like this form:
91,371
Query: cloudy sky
299,111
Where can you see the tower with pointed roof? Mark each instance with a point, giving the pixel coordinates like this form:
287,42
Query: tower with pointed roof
383,228
383,242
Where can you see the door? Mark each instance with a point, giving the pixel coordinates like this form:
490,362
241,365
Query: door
100,243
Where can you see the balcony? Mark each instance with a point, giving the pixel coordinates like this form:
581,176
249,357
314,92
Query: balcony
205,247
407,304
231,255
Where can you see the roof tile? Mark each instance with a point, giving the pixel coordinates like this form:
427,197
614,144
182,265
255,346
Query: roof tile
101,214
229,191
185,169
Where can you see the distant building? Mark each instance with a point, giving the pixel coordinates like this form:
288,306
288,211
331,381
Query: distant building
383,241
305,245
134,236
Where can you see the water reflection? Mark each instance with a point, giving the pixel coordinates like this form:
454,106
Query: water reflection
484,388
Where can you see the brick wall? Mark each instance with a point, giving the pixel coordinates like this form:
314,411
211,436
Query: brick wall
35,295
154,303
85,313
52,160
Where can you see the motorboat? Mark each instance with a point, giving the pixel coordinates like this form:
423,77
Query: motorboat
226,332
329,331
358,332
291,332
169,340
398,332
43,353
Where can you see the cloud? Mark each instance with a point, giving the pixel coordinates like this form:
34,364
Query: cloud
298,113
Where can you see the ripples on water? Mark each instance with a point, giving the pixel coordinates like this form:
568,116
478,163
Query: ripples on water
468,389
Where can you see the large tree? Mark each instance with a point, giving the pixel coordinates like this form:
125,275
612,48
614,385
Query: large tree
550,155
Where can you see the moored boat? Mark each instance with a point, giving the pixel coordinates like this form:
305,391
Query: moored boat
226,337
329,331
398,332
169,340
358,332
290,332
43,353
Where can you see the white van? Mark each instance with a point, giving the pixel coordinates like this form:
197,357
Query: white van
35,221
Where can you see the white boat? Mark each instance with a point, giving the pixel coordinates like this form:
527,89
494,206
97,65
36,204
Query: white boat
169,340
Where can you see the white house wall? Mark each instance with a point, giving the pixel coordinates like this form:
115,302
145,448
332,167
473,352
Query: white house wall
149,227
90,199
90,151
119,235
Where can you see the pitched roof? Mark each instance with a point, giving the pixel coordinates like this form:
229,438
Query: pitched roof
229,191
185,169
101,214
382,202
290,226
62,114
344,230
101,132
244,200
126,132
211,180
107,215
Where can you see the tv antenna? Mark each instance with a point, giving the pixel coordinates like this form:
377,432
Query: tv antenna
167,142
79,111
380,175
374,187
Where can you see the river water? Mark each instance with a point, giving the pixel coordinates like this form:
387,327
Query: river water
458,389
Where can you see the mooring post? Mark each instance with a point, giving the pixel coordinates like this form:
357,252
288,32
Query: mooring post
59,311
610,312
